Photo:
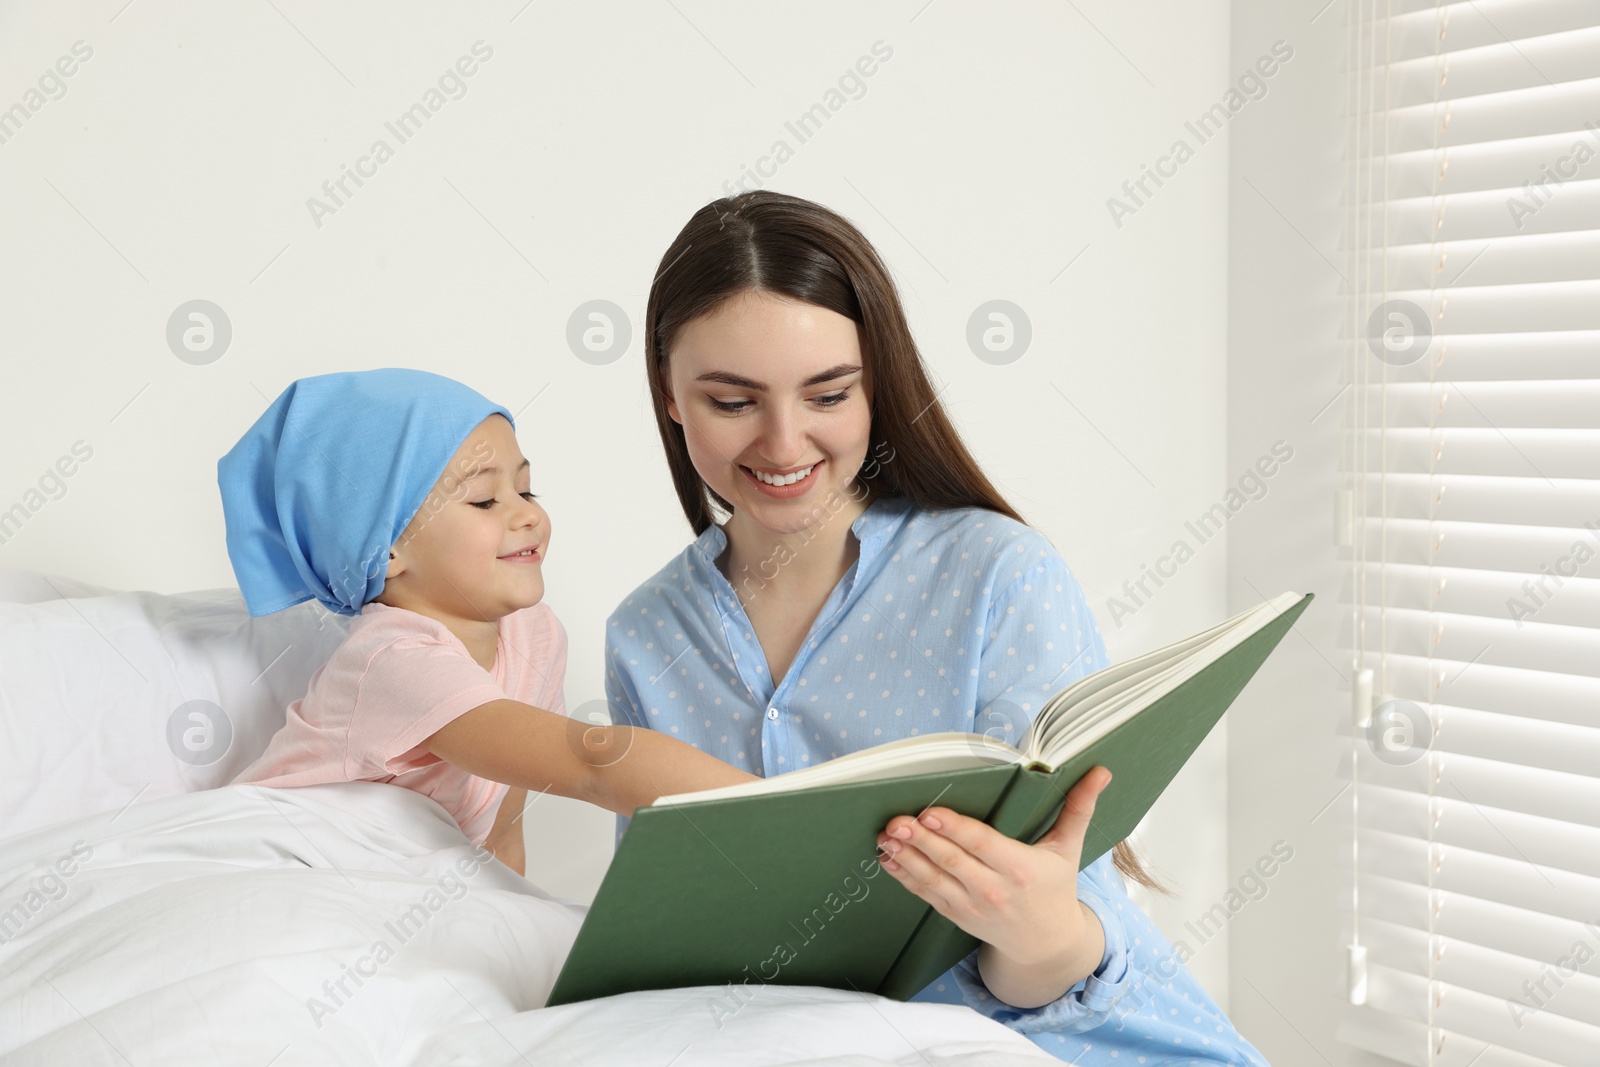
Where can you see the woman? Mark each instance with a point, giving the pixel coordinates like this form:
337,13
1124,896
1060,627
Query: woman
869,583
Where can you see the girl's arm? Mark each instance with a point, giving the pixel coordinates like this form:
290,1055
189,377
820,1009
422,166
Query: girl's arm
615,767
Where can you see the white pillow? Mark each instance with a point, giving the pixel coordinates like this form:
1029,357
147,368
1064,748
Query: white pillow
108,698
18,586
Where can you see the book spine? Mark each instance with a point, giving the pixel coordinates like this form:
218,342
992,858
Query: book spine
938,944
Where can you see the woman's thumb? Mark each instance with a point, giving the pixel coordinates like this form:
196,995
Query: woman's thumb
1066,836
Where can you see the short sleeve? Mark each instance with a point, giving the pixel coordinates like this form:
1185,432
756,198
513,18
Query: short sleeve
622,699
622,703
411,688
544,656
1041,637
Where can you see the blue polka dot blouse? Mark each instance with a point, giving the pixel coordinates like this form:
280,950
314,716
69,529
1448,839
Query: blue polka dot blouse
960,619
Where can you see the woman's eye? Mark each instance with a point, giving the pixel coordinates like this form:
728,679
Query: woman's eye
731,406
529,495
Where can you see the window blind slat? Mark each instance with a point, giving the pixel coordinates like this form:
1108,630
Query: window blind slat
1407,1041
1526,742
1504,356
1568,650
1464,1020
1490,166
1502,405
1563,56
1515,884
1489,785
1526,549
1566,698
1573,305
1515,453
1521,260
1489,972
1477,217
1537,111
1528,935
1471,500
1413,27
1494,594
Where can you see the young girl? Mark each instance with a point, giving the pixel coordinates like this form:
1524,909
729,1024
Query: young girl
856,578
401,496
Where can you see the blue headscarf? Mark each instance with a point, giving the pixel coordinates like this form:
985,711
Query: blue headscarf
316,493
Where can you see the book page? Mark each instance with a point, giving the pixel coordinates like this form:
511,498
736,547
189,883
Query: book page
1155,675
924,754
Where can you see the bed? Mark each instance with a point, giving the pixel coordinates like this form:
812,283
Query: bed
152,914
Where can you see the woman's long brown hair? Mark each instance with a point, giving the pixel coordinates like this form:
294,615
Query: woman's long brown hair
767,242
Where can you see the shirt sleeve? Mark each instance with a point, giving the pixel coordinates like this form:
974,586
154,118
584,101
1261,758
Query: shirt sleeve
1090,1002
1042,637
622,702
552,645
411,688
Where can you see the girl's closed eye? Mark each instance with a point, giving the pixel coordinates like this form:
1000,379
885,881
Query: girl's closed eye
487,504
734,406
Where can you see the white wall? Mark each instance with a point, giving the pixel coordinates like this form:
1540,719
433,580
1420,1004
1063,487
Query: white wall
979,158
1284,383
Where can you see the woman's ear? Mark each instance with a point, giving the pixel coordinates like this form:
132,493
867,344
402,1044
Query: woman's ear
666,391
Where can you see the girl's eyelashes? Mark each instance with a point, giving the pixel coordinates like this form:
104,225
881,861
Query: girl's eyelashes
735,406
487,504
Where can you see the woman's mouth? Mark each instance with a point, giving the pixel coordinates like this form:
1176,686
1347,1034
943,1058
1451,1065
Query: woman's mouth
783,486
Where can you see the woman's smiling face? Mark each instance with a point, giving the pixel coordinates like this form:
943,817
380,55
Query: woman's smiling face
774,387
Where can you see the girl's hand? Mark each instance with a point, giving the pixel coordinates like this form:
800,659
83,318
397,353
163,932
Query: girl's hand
505,836
510,850
1020,900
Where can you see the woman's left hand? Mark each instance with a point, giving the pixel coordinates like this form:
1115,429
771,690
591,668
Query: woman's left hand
1020,900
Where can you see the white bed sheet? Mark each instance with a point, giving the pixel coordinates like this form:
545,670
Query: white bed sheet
213,927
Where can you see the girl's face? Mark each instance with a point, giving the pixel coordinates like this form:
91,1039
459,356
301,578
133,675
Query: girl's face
770,389
457,558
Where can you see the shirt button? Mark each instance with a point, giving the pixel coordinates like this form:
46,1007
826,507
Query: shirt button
772,713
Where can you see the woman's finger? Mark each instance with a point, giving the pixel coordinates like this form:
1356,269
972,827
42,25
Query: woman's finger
928,880
979,841
1065,836
971,872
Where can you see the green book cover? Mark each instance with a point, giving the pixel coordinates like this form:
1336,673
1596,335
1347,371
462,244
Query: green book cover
785,888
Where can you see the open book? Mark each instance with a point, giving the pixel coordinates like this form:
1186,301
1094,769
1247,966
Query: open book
778,880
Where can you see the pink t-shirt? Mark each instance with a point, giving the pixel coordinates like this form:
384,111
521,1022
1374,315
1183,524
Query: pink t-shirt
397,679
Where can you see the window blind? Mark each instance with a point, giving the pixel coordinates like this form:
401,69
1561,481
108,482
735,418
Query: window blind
1470,511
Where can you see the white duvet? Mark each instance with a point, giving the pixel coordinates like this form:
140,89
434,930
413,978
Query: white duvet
354,924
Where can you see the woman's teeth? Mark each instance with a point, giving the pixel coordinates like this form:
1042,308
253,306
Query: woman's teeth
783,479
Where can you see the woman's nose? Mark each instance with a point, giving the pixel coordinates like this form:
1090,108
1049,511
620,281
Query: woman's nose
782,436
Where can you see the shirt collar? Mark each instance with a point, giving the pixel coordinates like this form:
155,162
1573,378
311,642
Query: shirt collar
873,527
